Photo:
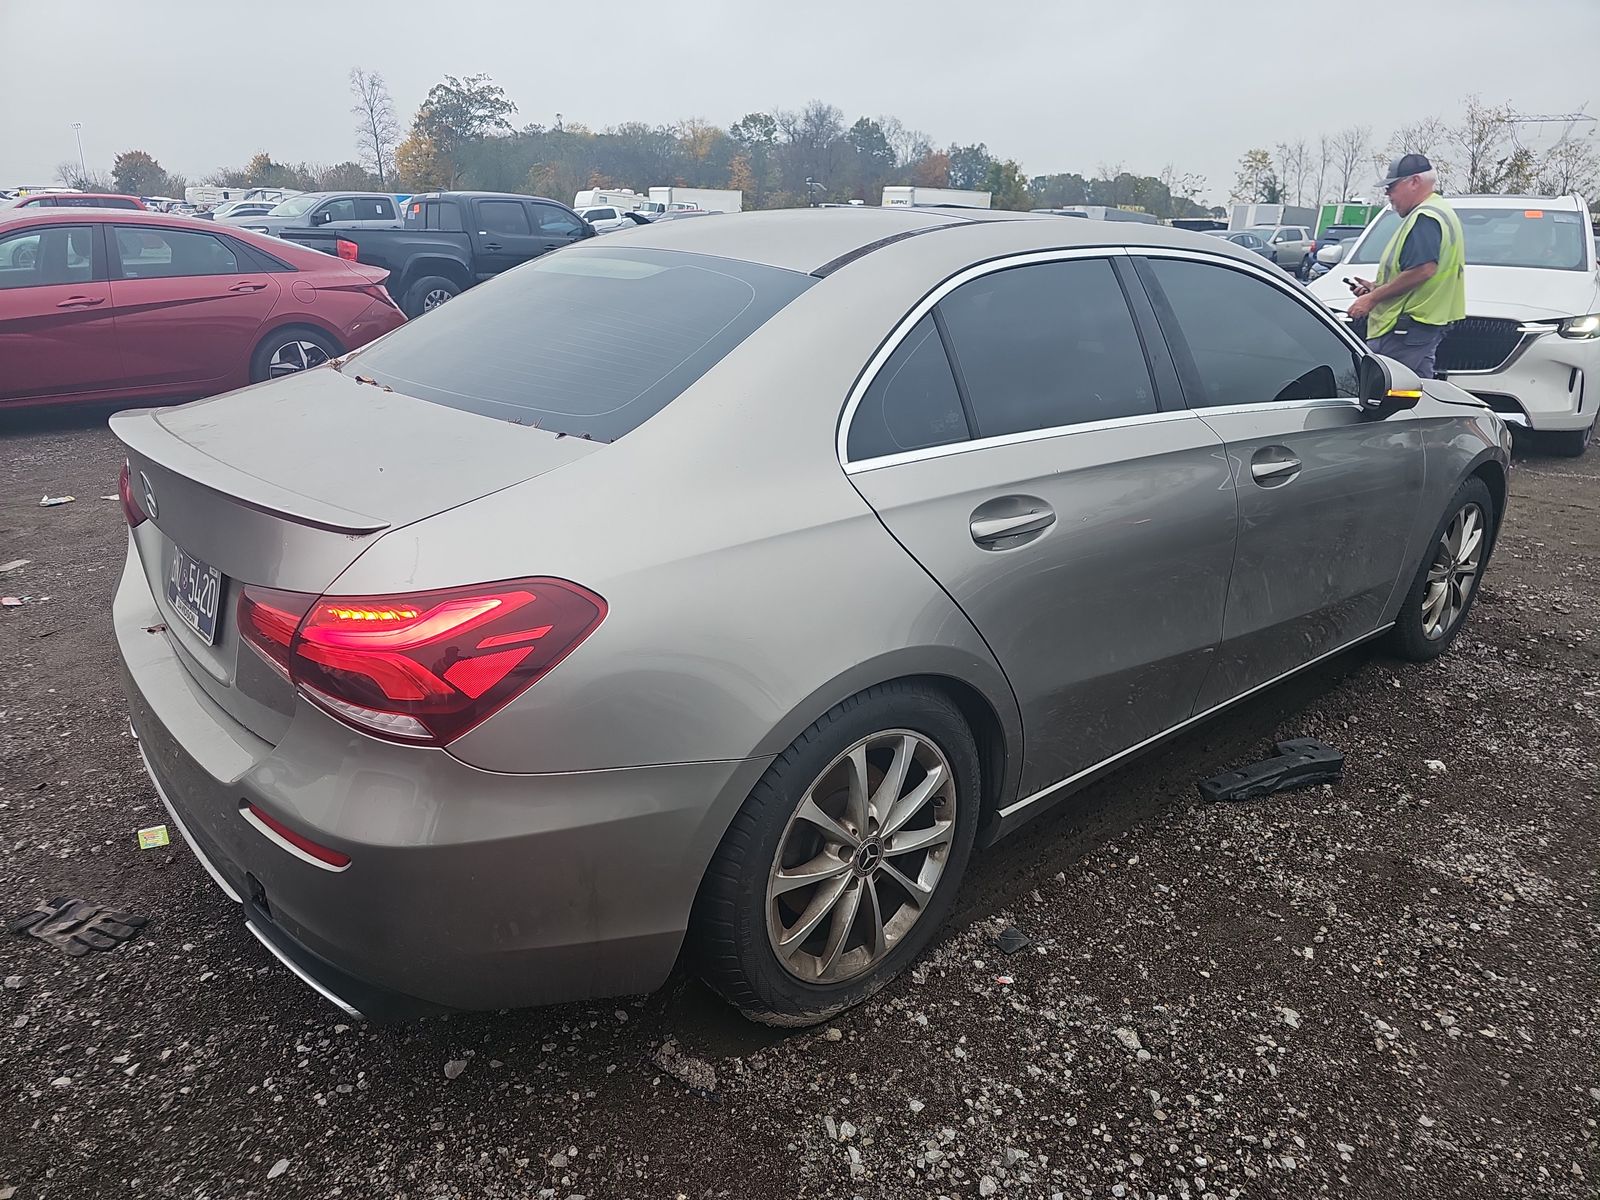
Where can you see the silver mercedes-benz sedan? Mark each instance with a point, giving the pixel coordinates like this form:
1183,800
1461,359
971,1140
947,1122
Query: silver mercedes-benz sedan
715,591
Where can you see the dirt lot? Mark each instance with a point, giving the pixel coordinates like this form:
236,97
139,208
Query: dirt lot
1383,988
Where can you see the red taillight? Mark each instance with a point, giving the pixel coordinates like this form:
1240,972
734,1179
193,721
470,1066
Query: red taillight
423,667
345,249
130,506
319,855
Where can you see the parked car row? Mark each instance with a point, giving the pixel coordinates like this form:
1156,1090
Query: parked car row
101,304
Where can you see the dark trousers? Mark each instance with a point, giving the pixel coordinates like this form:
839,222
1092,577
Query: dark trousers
1416,347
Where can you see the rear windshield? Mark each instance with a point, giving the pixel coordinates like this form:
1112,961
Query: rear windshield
1501,237
587,341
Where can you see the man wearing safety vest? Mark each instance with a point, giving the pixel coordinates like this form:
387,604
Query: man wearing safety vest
1421,286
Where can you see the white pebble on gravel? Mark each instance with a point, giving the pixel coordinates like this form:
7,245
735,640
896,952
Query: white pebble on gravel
454,1067
278,1168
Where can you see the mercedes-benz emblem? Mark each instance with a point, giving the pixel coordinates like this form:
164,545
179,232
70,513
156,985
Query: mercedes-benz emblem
149,496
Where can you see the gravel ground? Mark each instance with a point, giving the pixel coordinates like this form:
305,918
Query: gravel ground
1378,989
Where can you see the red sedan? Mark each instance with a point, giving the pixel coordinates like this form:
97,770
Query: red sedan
114,305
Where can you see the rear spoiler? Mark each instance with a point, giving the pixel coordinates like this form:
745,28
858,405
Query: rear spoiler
142,432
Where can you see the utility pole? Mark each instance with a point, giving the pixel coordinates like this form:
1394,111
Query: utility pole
77,128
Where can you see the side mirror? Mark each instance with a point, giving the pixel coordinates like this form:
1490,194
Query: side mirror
1387,387
322,218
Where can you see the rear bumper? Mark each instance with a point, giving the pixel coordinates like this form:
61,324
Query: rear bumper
1549,383
466,889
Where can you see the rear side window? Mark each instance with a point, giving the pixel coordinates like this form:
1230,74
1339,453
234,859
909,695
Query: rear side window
1047,345
151,252
442,215
912,402
590,342
1247,342
96,202
503,216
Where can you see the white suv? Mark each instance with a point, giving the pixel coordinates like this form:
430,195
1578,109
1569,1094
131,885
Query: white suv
1530,346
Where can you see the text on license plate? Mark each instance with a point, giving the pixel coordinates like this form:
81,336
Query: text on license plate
194,590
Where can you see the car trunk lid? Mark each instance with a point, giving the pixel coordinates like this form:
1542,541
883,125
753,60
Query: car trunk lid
284,486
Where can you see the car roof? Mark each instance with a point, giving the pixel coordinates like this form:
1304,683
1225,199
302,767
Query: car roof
477,196
134,216
1557,203
816,241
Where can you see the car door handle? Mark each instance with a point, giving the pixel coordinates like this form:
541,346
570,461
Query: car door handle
992,529
247,287
1271,470
81,301
491,245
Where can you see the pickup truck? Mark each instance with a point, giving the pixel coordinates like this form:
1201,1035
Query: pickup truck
452,240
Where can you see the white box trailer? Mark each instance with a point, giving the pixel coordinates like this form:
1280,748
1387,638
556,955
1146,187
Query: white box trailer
1102,212
622,199
723,200
1249,216
920,197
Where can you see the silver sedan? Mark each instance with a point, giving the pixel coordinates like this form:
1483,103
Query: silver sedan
719,589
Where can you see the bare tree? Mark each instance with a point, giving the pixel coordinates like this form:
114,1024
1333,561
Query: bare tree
1493,159
70,174
1324,160
377,129
1429,137
1291,166
908,144
1572,165
1351,148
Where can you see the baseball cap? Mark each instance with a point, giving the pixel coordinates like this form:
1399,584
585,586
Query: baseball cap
1404,167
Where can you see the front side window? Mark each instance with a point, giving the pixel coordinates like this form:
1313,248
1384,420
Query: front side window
150,252
342,209
57,254
1047,345
911,403
590,342
1247,342
503,216
556,221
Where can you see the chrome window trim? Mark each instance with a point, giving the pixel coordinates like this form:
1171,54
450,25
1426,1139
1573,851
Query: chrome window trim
906,323
1287,286
1013,439
1019,805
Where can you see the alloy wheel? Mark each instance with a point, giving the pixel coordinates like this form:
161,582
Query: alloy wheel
294,357
433,299
1453,572
862,856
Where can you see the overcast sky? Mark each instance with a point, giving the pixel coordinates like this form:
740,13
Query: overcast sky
1058,86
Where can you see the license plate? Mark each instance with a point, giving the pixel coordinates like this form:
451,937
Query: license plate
194,590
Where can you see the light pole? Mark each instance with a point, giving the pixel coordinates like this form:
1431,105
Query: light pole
77,128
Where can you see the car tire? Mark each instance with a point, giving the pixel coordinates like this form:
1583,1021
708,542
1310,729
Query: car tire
749,903
1570,443
427,293
289,351
1429,619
